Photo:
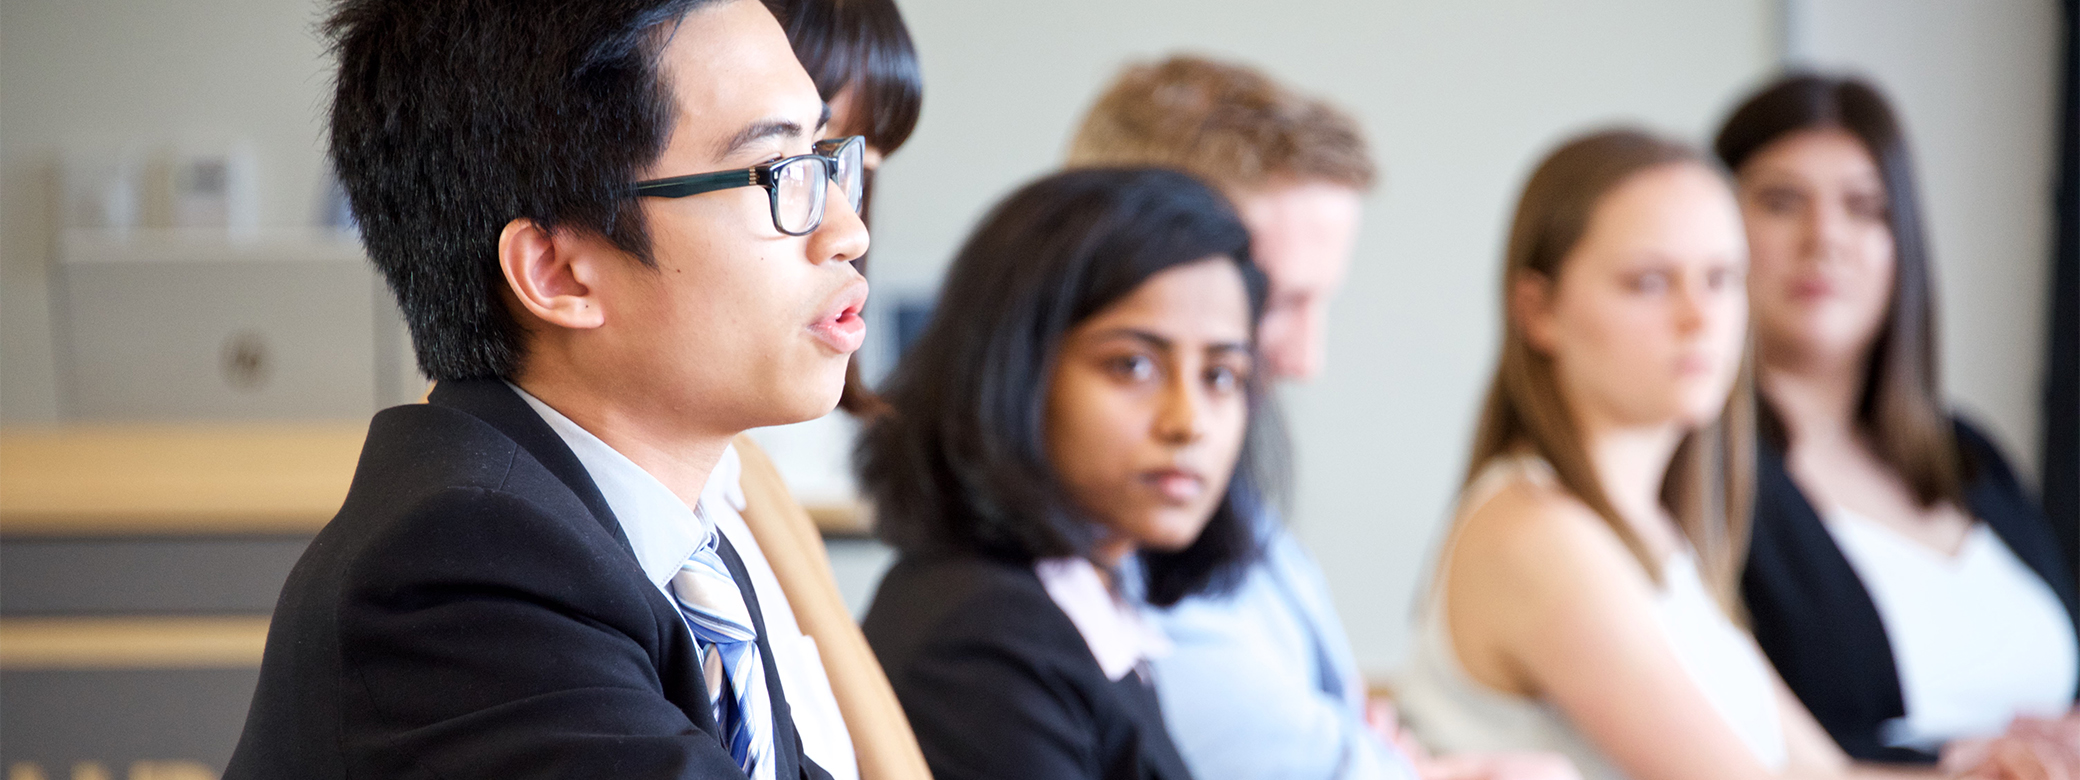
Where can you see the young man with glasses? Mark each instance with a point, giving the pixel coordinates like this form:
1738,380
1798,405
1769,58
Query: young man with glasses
616,249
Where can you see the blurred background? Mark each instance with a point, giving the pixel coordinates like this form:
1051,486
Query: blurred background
190,341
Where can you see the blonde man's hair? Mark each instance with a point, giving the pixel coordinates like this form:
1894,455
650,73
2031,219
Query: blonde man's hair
1228,124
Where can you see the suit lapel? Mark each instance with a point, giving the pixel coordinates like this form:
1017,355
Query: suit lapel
496,404
1828,576
1157,754
493,402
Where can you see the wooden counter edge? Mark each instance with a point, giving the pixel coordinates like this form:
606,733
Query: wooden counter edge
158,642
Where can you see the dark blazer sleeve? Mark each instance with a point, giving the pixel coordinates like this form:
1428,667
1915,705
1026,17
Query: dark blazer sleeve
480,637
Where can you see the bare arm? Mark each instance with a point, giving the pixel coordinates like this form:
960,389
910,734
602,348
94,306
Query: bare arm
1546,602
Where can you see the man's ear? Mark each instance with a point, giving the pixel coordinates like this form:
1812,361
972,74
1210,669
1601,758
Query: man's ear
1531,307
552,274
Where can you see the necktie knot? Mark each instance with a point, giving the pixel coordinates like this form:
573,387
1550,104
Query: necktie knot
713,605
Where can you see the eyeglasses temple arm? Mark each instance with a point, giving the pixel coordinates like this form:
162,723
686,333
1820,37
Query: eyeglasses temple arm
683,186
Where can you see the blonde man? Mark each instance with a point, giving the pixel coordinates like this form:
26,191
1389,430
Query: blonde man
1297,169
1261,683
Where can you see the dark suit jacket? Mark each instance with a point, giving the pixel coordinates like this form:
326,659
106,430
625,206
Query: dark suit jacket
999,685
1818,624
475,610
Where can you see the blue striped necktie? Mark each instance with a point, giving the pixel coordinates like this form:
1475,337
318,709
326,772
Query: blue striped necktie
721,623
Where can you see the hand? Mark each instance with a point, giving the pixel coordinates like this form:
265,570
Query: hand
2032,749
2063,731
1499,766
1385,720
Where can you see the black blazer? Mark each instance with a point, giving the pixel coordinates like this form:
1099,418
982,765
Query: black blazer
999,685
1815,620
476,611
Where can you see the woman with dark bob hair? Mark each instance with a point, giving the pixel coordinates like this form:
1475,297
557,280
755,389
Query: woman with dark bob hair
1900,578
1080,408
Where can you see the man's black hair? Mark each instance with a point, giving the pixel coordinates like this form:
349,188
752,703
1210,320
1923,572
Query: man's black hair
959,462
451,118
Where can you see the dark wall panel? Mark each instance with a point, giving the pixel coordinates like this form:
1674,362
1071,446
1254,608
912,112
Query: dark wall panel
56,719
175,575
2062,393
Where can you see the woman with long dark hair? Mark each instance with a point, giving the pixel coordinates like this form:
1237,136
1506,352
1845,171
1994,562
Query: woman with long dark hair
1079,408
1901,579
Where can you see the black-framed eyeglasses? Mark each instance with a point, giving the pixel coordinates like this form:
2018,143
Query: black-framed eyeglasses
796,185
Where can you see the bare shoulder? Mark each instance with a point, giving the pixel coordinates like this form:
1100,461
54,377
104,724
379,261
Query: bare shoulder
1534,570
1536,536
1534,560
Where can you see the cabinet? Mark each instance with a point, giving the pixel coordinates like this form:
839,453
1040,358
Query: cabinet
185,325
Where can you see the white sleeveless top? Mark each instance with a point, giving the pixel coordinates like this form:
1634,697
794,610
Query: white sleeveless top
1977,638
1451,712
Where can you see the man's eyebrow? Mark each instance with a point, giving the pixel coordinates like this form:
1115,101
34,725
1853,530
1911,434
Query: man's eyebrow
768,128
759,131
1228,347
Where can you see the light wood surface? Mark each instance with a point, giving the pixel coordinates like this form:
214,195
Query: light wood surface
881,734
216,478
146,479
851,518
132,643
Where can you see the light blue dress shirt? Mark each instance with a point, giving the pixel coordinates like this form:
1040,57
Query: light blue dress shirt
661,528
1260,682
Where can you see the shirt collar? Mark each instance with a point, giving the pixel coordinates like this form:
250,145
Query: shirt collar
1115,631
663,531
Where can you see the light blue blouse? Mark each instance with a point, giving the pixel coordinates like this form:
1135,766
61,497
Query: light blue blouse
1260,682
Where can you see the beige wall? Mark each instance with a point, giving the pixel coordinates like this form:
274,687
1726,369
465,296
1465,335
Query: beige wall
1977,87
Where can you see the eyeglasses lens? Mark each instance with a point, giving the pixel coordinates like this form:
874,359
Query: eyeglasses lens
852,171
798,193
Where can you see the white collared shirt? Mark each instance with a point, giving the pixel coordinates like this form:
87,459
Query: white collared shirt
1113,629
664,532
